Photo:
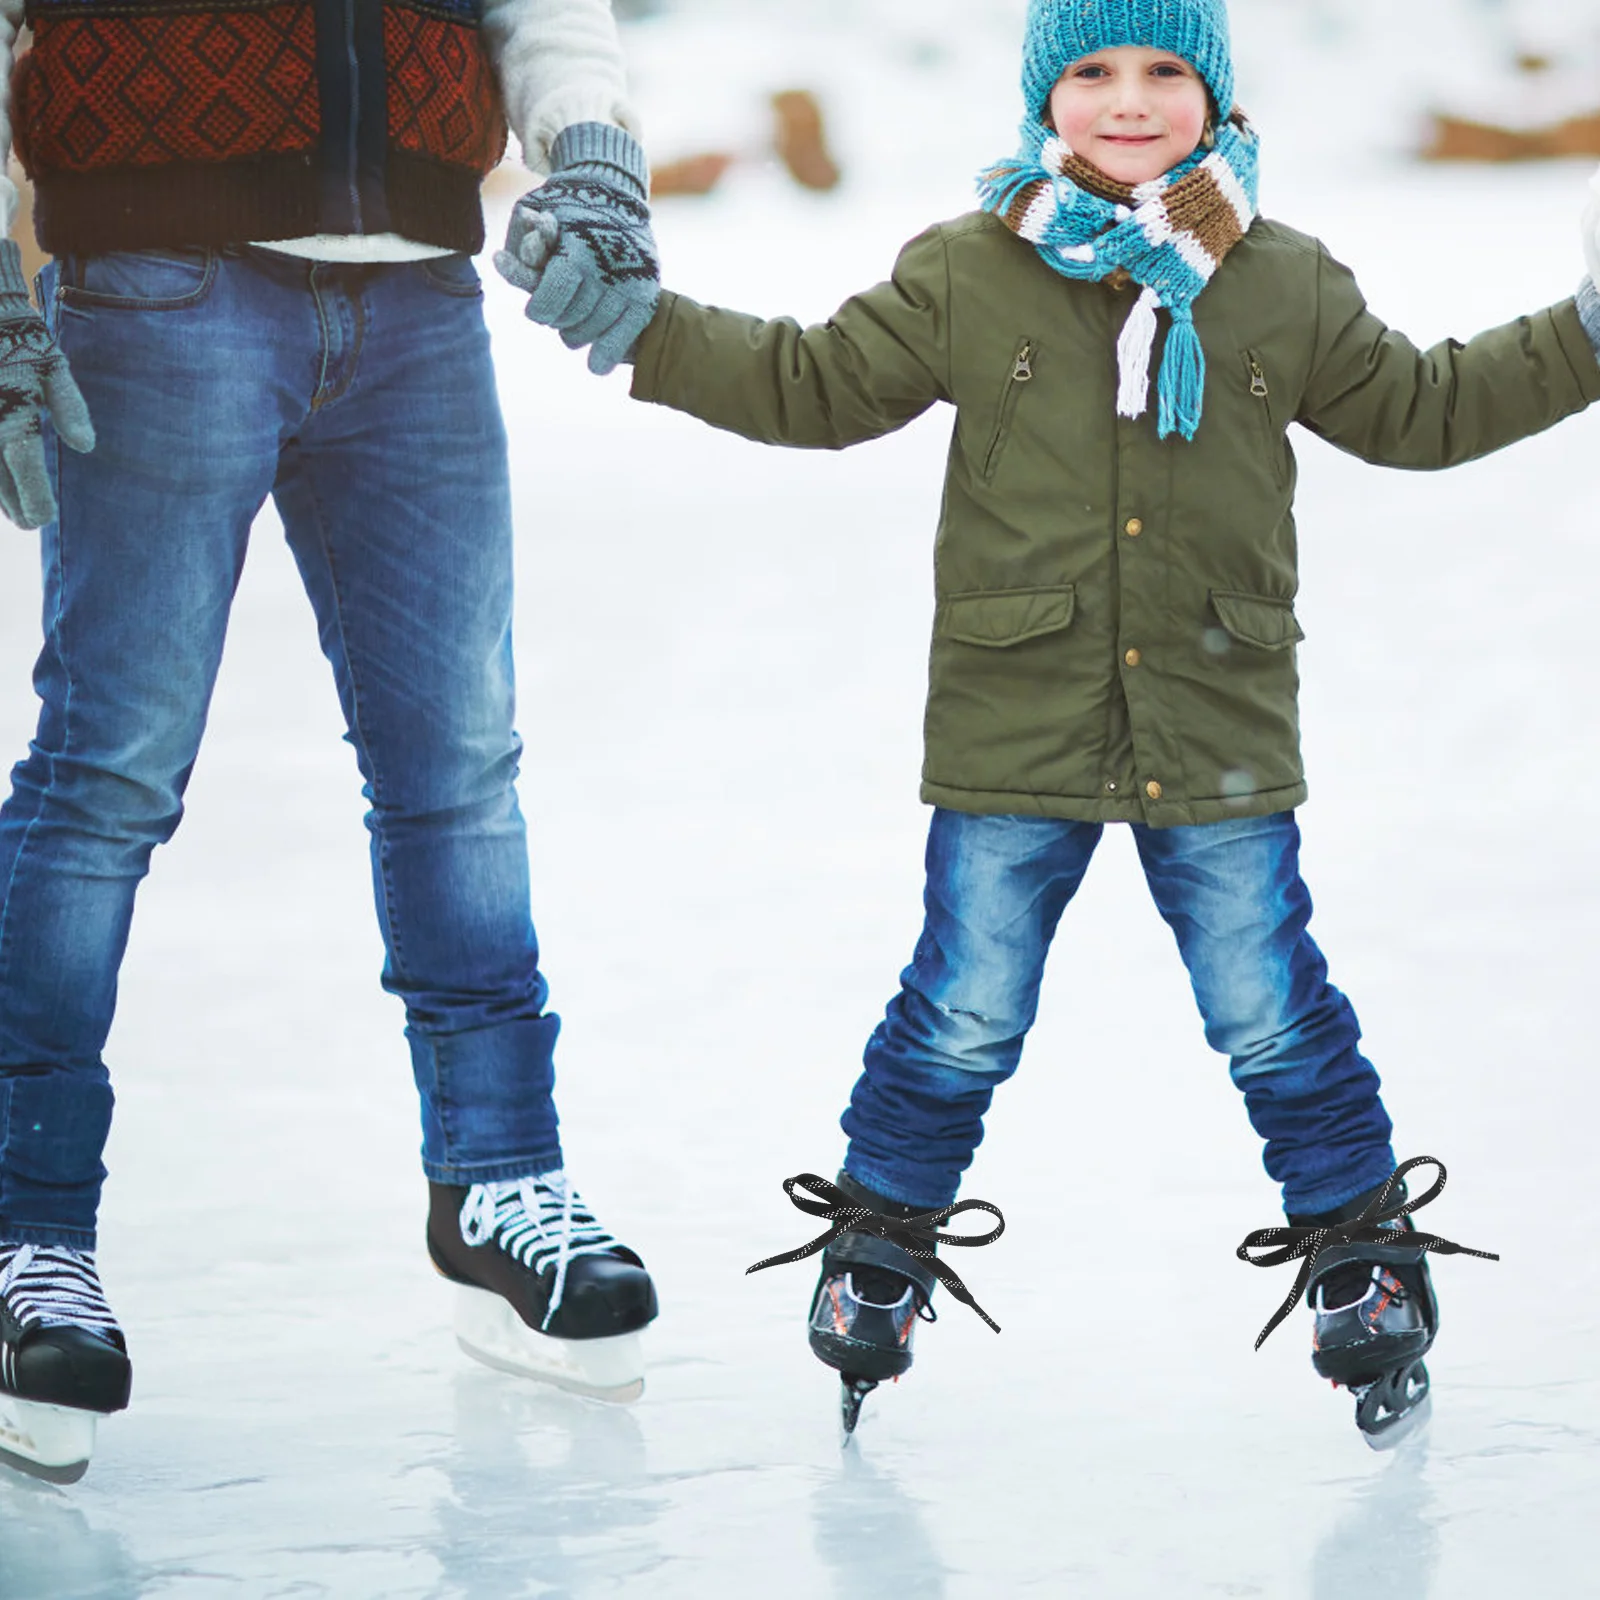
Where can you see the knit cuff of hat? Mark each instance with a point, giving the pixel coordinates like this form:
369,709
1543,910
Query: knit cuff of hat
12,280
1589,310
601,144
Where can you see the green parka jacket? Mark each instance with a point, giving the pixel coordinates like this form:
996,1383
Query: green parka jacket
1114,636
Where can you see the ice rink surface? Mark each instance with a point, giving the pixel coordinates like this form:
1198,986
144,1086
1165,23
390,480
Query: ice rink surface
721,656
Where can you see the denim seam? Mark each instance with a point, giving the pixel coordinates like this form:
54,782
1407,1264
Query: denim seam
384,880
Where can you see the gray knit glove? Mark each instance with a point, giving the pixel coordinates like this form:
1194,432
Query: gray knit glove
580,245
34,381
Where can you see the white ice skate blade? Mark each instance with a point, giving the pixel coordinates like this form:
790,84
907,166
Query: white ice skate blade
49,1442
488,1330
1408,1427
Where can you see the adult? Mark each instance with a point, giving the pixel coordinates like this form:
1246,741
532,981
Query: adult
262,219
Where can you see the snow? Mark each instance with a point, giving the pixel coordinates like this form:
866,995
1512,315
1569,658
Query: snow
721,652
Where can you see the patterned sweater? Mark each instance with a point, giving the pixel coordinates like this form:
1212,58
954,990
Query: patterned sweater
149,123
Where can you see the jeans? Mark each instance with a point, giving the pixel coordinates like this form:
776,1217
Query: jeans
362,399
1232,894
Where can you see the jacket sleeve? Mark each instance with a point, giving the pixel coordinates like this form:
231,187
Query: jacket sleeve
10,26
879,362
1372,392
557,62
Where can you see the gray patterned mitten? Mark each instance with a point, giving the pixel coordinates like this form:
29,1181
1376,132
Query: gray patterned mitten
34,381
580,245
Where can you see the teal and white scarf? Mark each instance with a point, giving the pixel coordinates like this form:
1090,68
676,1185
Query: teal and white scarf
1169,235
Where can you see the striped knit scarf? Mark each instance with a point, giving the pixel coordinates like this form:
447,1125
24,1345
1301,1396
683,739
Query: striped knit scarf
1169,235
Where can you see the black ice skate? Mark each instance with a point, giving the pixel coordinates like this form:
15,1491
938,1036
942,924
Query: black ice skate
877,1282
63,1360
1374,1313
1374,1318
543,1290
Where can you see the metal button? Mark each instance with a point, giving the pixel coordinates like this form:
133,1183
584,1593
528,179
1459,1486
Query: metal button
1133,658
1133,527
1111,785
1153,789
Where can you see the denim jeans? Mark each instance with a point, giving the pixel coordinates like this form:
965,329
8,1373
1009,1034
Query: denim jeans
362,399
1232,894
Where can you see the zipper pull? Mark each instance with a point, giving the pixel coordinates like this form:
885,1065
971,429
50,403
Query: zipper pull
1258,380
1023,370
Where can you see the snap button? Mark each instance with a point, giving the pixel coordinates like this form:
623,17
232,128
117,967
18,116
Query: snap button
1153,789
1133,527
1133,658
1111,785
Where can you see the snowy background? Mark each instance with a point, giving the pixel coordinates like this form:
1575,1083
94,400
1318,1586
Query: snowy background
721,653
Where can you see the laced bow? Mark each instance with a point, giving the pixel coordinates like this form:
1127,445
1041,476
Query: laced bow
1368,1228
851,1216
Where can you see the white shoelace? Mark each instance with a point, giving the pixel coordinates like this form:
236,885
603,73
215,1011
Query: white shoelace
535,1220
54,1287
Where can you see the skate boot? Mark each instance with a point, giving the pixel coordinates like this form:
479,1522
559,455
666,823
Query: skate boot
543,1290
63,1360
867,1304
1375,1318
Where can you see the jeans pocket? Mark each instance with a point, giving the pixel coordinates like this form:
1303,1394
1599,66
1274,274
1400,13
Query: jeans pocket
456,275
138,280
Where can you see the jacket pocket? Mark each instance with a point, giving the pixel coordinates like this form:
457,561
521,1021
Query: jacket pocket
1257,620
1017,379
999,617
1271,436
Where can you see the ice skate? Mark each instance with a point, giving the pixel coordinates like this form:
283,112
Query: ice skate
1374,1319
866,1307
877,1281
1366,1278
63,1360
543,1291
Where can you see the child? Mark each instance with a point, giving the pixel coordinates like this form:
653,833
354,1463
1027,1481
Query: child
1114,639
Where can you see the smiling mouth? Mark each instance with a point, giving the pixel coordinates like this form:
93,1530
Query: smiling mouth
1131,138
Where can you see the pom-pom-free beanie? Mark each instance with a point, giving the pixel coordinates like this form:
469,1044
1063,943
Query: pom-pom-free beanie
1063,31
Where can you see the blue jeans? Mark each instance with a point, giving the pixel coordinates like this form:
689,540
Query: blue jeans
363,401
1232,894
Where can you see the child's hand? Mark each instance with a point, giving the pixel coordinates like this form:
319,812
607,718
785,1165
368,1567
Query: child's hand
1591,229
581,245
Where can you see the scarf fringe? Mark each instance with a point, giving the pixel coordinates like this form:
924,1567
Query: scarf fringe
1135,350
1183,379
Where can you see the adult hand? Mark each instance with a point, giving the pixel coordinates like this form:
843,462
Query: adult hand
35,382
580,245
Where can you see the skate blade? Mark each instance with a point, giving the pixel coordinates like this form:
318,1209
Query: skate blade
488,1330
1402,1428
49,1442
852,1395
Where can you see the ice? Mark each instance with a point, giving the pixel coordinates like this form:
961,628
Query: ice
721,654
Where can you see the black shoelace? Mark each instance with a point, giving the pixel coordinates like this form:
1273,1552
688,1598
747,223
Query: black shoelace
851,1216
1365,1229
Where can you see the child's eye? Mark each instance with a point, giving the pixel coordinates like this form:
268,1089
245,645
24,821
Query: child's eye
1090,72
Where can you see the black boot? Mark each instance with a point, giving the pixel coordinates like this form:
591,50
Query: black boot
1375,1318
538,1246
869,1297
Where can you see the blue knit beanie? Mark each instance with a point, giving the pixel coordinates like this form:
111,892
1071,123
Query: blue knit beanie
1063,31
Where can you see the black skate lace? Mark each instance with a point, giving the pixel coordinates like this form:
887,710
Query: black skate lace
49,1286
1368,1228
850,1216
535,1221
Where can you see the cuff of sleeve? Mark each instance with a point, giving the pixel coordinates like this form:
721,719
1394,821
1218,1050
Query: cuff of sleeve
1589,311
650,351
12,281
603,144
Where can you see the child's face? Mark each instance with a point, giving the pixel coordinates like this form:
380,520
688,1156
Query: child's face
1134,113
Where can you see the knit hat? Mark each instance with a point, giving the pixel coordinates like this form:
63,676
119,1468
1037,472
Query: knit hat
1063,31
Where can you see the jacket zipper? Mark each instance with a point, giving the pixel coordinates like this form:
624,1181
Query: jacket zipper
1021,373
355,112
1262,392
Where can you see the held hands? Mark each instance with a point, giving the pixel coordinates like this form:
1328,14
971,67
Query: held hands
580,245
35,381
